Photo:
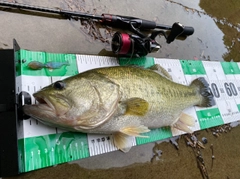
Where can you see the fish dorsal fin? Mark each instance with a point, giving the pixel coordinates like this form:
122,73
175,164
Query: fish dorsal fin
123,139
136,106
160,70
184,121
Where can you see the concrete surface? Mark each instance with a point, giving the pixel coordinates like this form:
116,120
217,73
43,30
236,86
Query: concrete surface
139,154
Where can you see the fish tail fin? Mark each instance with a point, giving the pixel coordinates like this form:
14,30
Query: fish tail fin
202,86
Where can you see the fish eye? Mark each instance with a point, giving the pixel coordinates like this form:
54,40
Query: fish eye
59,85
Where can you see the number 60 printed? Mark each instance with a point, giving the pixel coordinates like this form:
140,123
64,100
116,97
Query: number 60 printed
230,89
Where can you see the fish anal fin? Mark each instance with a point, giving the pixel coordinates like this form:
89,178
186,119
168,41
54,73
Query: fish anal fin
183,122
136,106
187,119
181,126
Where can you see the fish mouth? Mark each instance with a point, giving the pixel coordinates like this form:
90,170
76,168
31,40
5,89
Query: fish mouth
59,106
41,108
44,103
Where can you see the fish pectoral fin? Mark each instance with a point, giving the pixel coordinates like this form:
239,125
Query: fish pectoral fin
135,130
183,122
136,106
161,71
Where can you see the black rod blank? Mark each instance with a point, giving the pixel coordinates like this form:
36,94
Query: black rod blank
49,10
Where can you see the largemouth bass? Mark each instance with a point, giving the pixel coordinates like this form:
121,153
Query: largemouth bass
122,101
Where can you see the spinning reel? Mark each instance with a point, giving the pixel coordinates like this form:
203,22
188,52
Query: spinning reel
138,44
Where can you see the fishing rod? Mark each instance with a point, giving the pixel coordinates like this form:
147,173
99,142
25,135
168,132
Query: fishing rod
136,44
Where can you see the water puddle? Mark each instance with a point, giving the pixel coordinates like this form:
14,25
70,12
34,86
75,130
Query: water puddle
226,16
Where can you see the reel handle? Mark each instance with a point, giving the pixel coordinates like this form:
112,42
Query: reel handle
179,30
187,30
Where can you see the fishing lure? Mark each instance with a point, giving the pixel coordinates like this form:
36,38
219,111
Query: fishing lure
35,65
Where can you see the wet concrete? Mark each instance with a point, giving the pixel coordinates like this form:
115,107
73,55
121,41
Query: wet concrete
214,39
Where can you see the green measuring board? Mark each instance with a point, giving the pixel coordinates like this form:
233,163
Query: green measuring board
52,149
209,118
43,146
